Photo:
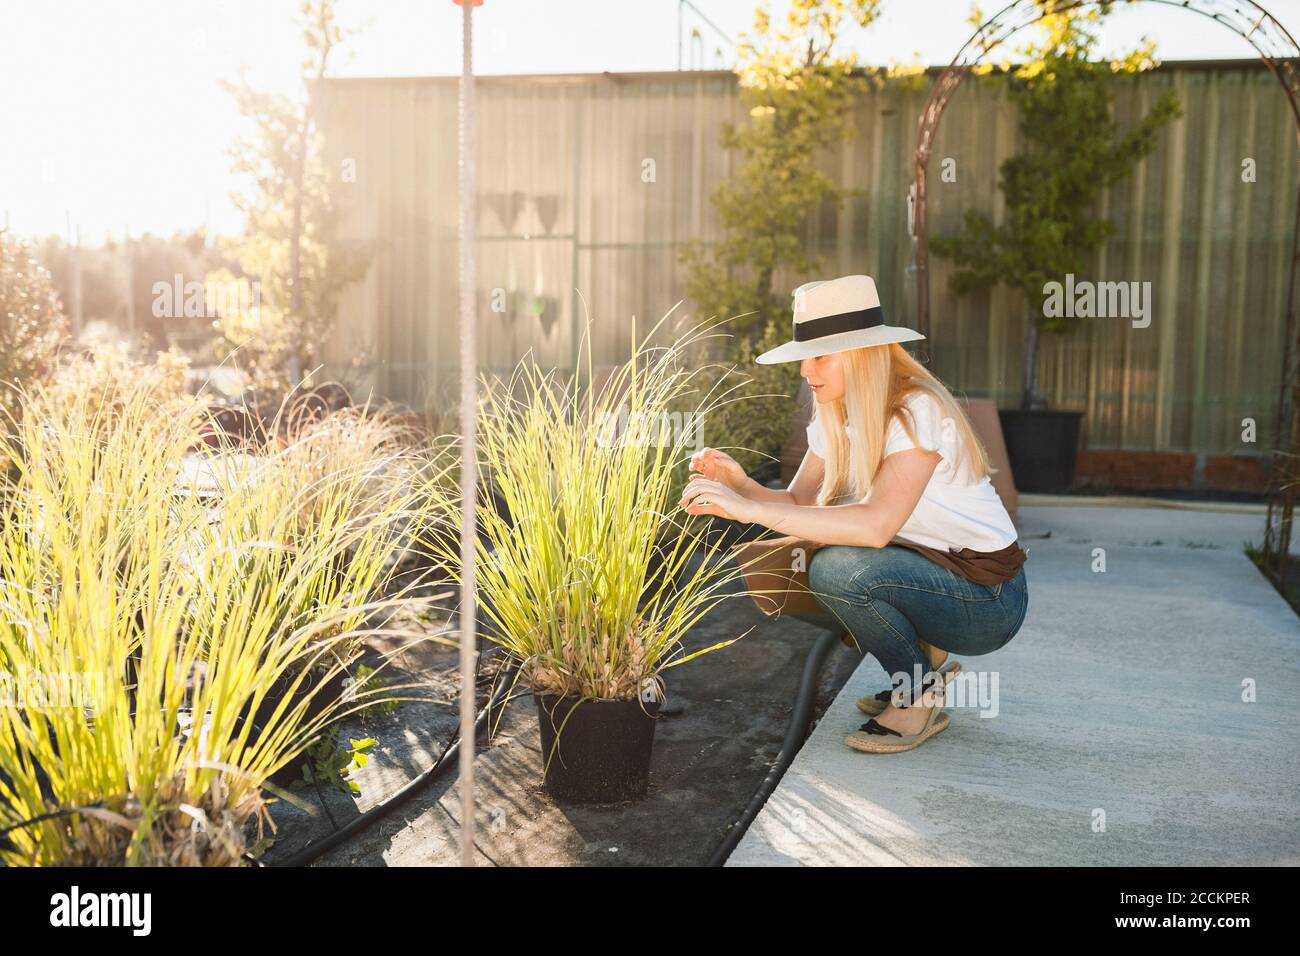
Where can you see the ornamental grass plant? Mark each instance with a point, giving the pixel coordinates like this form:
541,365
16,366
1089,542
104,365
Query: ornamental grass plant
578,489
146,617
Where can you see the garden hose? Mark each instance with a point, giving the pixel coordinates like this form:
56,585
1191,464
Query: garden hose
796,732
313,851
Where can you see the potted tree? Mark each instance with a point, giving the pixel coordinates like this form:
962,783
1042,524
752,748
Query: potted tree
1073,151
564,572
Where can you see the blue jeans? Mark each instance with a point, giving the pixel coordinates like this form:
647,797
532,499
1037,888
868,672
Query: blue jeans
890,598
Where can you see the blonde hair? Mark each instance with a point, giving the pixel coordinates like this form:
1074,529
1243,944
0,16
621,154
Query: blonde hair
878,380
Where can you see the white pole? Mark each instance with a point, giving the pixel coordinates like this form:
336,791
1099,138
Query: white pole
469,451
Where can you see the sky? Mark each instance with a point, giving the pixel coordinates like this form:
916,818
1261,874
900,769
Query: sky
114,119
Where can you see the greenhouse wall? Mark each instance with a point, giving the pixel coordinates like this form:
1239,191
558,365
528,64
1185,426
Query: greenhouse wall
566,203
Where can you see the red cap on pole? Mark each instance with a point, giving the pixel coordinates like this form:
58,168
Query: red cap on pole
472,3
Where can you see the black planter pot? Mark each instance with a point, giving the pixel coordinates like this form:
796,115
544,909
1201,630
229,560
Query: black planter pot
596,751
1042,445
331,691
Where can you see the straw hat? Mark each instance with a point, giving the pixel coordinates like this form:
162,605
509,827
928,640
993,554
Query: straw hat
835,315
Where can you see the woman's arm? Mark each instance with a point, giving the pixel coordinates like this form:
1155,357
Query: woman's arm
802,490
899,485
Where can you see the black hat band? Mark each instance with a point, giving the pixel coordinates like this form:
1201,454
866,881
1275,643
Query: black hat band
835,324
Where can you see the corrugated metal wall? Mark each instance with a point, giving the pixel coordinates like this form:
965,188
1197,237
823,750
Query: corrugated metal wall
563,204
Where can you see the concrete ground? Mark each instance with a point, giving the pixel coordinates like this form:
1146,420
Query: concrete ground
1121,735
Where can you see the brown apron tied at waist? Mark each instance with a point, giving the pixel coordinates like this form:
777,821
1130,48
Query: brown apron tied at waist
978,567
776,570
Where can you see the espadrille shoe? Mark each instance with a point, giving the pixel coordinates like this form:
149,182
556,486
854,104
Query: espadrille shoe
877,704
875,738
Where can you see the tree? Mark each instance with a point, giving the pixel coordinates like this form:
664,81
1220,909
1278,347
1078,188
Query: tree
289,251
799,92
1074,150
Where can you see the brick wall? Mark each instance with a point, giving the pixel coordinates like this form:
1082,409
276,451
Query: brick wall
1150,471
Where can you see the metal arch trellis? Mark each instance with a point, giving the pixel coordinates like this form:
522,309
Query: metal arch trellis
1279,52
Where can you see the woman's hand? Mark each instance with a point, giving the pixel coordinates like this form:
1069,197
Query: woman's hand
706,497
719,466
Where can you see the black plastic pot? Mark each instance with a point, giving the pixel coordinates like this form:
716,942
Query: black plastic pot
330,692
596,751
1043,445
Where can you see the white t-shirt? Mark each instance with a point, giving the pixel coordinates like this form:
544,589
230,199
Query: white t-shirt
954,512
